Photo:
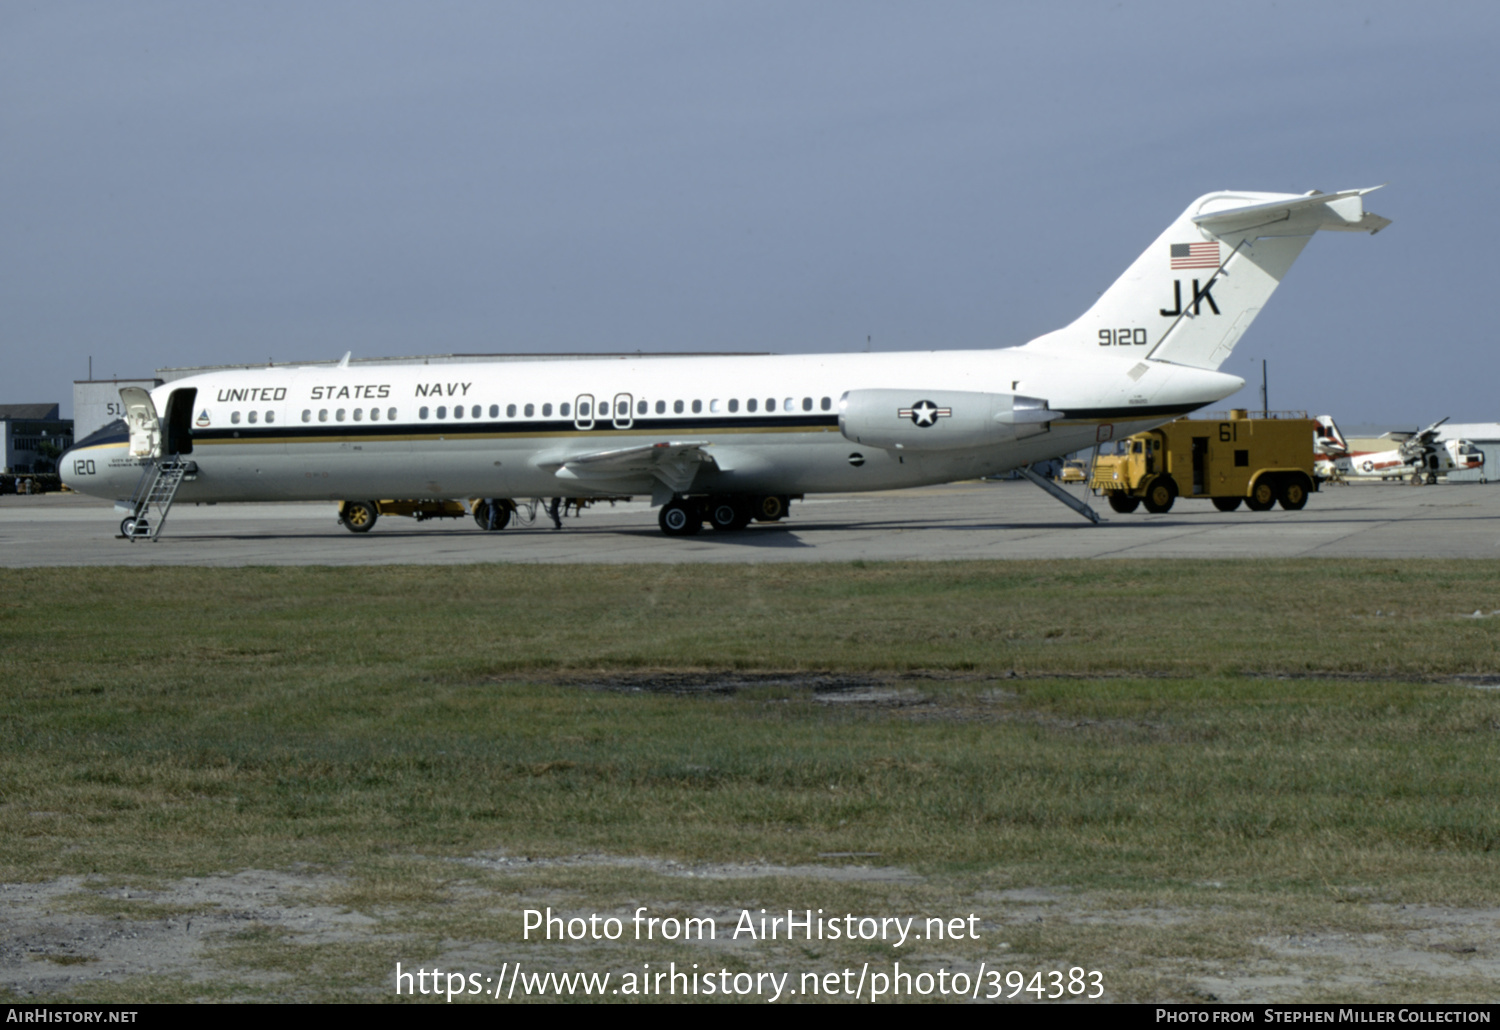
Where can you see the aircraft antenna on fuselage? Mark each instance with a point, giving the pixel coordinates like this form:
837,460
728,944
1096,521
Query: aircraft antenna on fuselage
344,361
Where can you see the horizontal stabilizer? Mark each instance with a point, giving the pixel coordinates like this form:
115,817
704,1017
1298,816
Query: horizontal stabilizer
1294,216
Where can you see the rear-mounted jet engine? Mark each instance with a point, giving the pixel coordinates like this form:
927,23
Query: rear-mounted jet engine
939,420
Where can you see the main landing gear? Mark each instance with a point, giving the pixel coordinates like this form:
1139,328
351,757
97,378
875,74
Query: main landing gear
685,516
680,516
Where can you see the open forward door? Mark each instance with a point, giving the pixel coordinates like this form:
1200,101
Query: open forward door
145,427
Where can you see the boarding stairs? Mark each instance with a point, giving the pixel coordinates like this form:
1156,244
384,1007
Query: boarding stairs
1081,507
156,490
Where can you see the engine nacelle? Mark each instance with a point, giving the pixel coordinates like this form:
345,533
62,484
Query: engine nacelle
939,420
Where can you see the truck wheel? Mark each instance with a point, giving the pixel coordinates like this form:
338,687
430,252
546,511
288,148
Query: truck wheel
359,516
1262,495
1123,502
1160,493
1293,493
1227,503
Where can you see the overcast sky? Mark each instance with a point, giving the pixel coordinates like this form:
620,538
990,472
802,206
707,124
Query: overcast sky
192,183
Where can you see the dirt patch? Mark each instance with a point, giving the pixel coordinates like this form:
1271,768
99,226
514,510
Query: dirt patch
57,935
501,862
65,934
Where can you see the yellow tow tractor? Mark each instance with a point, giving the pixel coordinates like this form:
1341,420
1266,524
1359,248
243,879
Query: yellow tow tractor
1260,461
489,513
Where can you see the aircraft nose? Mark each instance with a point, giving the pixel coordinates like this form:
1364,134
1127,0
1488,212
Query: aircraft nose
94,464
72,459
64,462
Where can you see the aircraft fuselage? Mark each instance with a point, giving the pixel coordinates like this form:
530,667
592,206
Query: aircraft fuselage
770,423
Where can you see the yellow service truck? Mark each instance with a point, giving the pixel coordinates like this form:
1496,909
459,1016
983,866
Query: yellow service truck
1260,461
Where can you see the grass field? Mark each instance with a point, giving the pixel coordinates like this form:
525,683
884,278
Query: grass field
1154,769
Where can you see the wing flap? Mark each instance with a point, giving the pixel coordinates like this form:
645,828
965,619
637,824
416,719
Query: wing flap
674,463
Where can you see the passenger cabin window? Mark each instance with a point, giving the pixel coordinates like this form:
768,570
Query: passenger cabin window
677,407
494,411
390,413
307,414
788,404
547,410
530,410
603,409
751,404
474,412
734,405
359,414
234,418
510,411
583,409
770,403
442,411
827,403
807,404
641,407
374,414
251,418
458,411
422,412
270,416
323,414
697,407
338,416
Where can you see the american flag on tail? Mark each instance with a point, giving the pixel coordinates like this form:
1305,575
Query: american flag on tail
1195,255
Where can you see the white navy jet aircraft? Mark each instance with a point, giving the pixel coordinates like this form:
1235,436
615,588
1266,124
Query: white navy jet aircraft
719,439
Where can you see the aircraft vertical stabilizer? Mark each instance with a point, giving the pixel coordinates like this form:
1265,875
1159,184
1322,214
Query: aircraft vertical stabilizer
1192,294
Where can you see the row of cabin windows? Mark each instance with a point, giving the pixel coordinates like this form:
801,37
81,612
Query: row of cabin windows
565,410
339,415
252,417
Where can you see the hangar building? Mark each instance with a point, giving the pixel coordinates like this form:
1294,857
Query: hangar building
34,437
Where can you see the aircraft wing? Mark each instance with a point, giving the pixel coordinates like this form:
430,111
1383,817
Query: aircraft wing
674,463
1429,434
1414,448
